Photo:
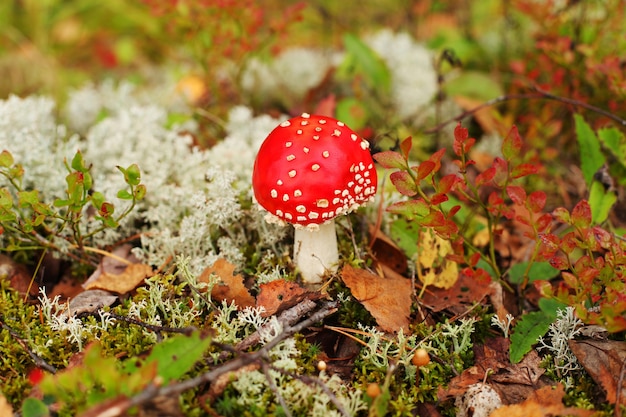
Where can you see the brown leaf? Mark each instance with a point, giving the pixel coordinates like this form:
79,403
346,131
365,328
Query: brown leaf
278,295
131,278
547,401
231,287
604,360
18,276
387,253
387,299
462,295
89,301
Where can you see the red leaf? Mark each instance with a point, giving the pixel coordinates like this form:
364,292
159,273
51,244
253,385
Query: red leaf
604,238
405,147
543,222
454,210
512,144
460,136
524,170
581,214
516,194
446,183
424,169
438,199
410,209
404,183
485,176
390,159
549,244
473,260
502,171
536,201
436,159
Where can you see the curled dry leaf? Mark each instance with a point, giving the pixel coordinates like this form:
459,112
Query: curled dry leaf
131,278
230,288
605,361
278,295
387,299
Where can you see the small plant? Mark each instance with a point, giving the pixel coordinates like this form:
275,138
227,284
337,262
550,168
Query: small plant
62,225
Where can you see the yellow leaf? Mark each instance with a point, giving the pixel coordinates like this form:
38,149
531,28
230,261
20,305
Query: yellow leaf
432,266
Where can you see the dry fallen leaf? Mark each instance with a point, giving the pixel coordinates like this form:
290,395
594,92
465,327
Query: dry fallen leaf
231,287
604,360
279,295
131,278
386,253
387,299
89,301
547,401
462,295
432,266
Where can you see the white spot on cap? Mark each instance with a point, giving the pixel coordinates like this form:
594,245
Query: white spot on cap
292,173
365,144
301,209
279,182
286,123
306,115
301,218
299,132
358,189
274,193
304,122
315,167
288,216
313,215
354,136
325,154
279,213
322,203
336,200
318,129
305,150
336,132
297,193
285,197
316,137
291,157
340,123
322,121
288,144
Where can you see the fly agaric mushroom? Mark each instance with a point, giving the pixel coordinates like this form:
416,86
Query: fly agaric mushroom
309,170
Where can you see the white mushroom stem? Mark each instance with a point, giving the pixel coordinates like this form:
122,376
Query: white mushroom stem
315,252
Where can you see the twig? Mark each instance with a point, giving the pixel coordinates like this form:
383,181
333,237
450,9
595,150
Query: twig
274,388
38,360
242,360
538,94
157,329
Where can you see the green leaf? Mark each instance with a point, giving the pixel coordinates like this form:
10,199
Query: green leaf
77,162
615,141
32,407
531,327
132,174
410,209
527,331
175,356
6,159
124,195
591,158
372,66
28,198
140,192
406,235
600,201
537,271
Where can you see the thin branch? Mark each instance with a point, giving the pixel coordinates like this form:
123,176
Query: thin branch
38,360
538,94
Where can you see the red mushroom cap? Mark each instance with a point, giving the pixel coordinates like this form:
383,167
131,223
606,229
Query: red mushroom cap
311,169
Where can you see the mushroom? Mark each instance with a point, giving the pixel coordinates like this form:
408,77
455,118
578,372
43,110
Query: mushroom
309,170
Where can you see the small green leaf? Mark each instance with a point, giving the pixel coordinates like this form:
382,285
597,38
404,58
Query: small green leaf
406,235
600,201
591,158
32,407
77,162
27,198
140,192
537,271
410,209
526,333
175,356
97,199
404,183
124,195
6,159
132,174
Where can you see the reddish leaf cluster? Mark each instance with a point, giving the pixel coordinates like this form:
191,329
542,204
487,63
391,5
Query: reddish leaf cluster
592,261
